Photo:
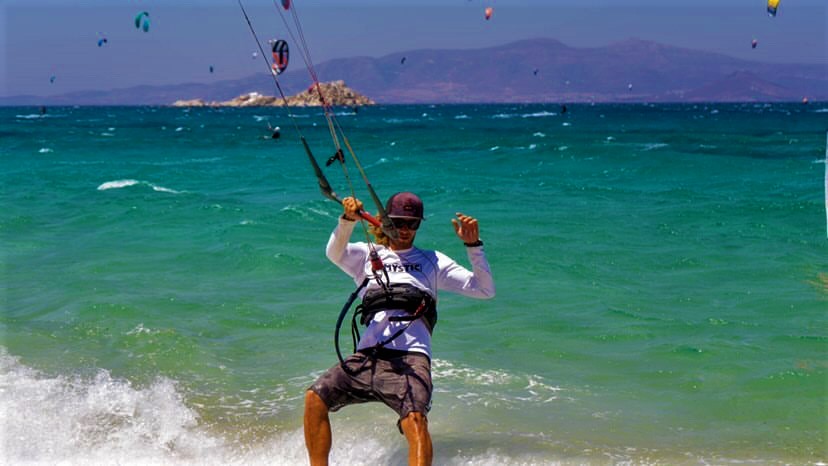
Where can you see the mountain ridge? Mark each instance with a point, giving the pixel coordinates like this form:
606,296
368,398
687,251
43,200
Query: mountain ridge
530,70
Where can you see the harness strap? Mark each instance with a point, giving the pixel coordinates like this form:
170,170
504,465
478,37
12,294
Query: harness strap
343,313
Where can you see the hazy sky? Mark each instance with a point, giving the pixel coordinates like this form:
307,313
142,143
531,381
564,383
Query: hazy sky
44,38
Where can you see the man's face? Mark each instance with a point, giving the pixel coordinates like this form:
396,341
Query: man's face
406,230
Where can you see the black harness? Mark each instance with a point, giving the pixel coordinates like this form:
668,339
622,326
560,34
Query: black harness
416,302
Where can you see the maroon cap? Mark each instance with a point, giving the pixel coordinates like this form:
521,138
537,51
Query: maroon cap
404,205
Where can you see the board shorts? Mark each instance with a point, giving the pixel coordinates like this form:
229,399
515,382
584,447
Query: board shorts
401,380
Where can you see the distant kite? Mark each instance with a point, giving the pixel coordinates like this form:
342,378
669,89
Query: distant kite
535,72
489,10
286,4
142,21
281,53
102,41
52,79
754,43
211,68
402,61
773,5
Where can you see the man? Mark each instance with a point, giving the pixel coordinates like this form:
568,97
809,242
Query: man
393,359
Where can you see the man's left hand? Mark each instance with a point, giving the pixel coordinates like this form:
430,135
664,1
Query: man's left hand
466,228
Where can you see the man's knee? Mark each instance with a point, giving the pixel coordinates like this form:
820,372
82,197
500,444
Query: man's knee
314,403
414,423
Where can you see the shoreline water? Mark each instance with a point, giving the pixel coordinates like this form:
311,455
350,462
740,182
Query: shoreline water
158,423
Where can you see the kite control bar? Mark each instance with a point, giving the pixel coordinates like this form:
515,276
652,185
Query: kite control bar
328,192
370,218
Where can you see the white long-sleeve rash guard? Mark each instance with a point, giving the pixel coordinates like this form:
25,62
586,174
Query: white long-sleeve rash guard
427,270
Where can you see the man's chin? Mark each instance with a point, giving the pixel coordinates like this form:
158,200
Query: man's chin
403,243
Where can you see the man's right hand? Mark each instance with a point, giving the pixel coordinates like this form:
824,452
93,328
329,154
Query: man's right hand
351,206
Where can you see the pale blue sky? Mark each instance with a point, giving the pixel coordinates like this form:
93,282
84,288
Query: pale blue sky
44,38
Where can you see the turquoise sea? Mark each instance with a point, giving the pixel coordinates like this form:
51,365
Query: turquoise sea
662,278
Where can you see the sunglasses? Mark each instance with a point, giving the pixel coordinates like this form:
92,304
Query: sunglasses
410,223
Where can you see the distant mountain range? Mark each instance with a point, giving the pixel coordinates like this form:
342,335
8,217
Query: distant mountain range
535,70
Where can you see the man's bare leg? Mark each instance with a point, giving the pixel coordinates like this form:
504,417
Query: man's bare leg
415,428
317,429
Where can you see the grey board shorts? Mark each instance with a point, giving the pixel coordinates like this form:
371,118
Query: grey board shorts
401,380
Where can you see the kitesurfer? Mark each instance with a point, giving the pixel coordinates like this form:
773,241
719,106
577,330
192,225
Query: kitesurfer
392,363
275,131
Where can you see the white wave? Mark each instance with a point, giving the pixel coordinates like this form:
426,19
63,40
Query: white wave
320,212
44,150
305,212
119,184
494,148
105,420
493,387
101,419
654,145
821,110
533,146
396,121
538,114
462,117
379,161
539,134
566,123
139,329
97,420
164,190
504,115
